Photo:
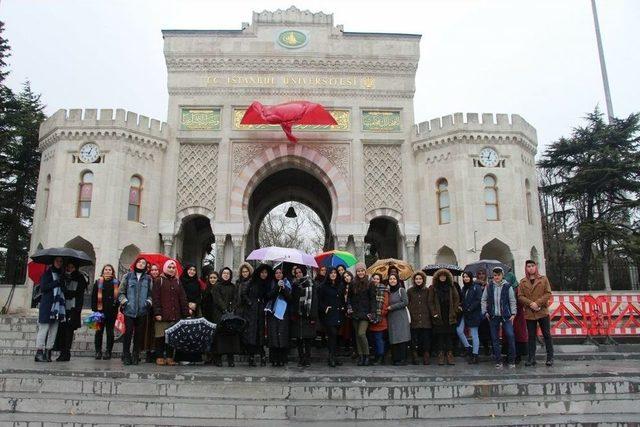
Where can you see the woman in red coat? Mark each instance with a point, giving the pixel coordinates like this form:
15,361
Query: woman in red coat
519,323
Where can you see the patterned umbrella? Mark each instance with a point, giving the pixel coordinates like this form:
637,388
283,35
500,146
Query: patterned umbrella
276,253
335,258
432,268
382,266
191,335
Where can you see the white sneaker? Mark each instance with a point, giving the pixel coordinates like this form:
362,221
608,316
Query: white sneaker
512,365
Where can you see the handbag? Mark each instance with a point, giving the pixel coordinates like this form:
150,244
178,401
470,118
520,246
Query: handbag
120,325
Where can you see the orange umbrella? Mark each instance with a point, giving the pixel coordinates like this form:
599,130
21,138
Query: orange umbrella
382,267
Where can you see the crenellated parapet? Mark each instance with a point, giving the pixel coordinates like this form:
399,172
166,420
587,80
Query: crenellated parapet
93,123
454,128
292,15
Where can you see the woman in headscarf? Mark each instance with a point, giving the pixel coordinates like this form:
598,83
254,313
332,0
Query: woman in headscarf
332,304
279,297
104,299
378,324
321,275
398,317
305,301
169,306
361,303
75,284
51,310
444,305
208,310
346,334
519,323
253,294
193,287
226,299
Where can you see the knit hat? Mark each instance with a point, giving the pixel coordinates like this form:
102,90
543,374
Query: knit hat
361,265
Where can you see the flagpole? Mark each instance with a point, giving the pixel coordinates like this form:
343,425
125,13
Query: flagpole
603,66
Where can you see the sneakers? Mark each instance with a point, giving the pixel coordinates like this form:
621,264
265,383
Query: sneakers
40,356
512,365
549,362
499,365
530,362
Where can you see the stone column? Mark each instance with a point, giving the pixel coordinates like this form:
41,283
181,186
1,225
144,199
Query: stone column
237,251
167,243
220,239
341,242
359,243
410,241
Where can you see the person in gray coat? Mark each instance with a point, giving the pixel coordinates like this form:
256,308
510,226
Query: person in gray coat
398,318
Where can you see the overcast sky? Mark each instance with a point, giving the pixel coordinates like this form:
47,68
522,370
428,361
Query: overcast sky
534,58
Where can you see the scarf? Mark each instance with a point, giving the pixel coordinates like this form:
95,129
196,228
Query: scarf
116,287
306,300
380,290
58,311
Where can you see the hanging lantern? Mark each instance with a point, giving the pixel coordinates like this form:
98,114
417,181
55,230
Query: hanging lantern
291,212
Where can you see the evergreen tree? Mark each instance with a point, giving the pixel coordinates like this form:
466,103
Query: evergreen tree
597,177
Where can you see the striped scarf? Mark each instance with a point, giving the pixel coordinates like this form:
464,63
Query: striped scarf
380,290
116,287
58,311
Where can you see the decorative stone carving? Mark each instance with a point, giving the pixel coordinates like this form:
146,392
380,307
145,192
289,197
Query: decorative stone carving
197,176
243,153
381,121
338,154
200,119
383,177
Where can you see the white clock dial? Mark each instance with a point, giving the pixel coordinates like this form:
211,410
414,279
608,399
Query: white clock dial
489,157
89,152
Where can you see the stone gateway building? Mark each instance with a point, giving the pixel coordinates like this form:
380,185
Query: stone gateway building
452,189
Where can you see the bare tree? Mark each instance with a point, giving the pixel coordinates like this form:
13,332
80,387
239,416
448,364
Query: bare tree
304,232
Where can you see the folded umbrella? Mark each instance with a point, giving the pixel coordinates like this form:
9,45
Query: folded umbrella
487,265
191,335
432,268
382,266
335,258
46,256
279,254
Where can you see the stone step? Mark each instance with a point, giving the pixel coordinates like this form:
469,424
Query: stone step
333,391
316,410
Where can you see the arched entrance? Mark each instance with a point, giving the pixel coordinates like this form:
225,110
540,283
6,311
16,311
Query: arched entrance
127,256
85,246
285,185
195,242
446,255
382,240
497,249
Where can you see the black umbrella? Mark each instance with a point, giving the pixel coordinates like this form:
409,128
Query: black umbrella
487,265
232,323
430,269
46,256
191,335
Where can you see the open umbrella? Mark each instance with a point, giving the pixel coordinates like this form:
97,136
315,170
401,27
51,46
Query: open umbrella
276,253
157,259
191,335
432,268
335,258
382,266
286,115
35,270
486,265
46,256
94,320
232,323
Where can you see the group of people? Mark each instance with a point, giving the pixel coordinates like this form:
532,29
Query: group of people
286,309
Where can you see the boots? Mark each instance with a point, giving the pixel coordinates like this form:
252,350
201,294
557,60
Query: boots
64,356
469,353
263,360
360,361
98,355
149,357
332,361
414,357
40,356
47,354
441,358
170,362
126,359
106,355
366,361
160,361
450,360
251,360
135,358
474,359
230,362
426,358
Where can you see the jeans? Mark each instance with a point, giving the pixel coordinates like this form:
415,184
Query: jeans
46,336
134,326
532,326
507,333
474,337
379,342
360,328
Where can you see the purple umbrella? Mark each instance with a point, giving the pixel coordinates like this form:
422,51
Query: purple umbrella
275,253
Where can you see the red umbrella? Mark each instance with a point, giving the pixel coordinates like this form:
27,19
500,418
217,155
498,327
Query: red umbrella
35,271
288,114
157,259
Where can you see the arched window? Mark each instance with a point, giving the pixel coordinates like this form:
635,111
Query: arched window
46,195
84,194
135,197
444,205
527,188
491,197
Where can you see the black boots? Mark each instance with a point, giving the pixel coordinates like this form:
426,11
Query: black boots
474,359
230,362
263,360
126,359
47,354
106,355
135,358
251,360
65,356
40,356
414,357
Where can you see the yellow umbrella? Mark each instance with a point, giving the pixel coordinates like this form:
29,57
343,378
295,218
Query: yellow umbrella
382,266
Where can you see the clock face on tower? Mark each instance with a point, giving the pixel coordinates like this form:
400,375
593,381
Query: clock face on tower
89,152
488,157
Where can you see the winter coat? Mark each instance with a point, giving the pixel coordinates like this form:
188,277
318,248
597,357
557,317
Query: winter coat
506,298
398,316
169,299
47,284
538,292
75,286
304,325
109,301
471,304
443,316
331,296
278,329
253,294
419,307
135,294
361,300
225,299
